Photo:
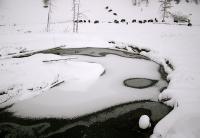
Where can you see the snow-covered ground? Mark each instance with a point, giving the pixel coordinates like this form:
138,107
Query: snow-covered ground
85,91
21,30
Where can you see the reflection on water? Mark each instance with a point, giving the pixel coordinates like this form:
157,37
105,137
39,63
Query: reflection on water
117,121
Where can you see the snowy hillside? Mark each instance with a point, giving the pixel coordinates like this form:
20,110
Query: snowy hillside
23,30
104,11
13,13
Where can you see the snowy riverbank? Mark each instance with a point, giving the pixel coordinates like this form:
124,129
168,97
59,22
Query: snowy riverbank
176,43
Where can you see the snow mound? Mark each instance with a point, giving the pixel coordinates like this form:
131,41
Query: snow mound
144,122
28,77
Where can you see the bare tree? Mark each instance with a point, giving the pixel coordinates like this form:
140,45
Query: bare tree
138,2
165,6
76,12
147,2
134,2
49,16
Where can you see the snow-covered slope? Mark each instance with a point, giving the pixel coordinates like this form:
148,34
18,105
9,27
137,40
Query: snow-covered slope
33,12
22,12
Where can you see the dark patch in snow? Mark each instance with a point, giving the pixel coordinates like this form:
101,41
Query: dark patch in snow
169,64
124,48
189,24
103,73
65,59
28,32
139,50
165,99
80,21
96,21
162,89
134,21
139,83
111,42
163,73
12,53
57,83
123,20
116,21
140,21
106,7
150,21
2,93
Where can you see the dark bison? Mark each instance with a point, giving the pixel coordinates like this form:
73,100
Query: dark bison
116,21
140,21
189,24
150,21
96,21
115,14
133,21
111,42
80,21
123,20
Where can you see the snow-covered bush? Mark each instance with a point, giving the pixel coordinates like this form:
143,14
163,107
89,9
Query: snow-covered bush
180,17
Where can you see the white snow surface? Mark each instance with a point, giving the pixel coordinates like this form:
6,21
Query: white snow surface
108,90
178,44
28,77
